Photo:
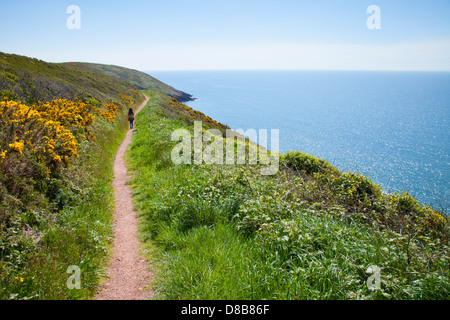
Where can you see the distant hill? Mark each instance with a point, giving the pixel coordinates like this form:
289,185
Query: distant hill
30,80
141,80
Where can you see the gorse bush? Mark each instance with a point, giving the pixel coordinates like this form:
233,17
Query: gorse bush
48,132
54,211
356,189
308,164
419,219
325,186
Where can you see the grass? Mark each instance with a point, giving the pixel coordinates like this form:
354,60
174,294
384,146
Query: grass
140,80
37,248
52,220
215,232
32,80
309,232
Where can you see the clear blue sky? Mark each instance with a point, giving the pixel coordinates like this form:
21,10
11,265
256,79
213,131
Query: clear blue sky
233,34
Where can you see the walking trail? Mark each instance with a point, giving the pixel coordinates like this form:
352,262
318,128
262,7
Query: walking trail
128,272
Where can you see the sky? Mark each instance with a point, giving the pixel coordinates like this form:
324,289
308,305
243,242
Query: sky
155,35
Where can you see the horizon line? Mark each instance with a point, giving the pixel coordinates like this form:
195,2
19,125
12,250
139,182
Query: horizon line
218,69
314,70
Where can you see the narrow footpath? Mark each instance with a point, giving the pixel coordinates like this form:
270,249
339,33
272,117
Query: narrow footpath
128,273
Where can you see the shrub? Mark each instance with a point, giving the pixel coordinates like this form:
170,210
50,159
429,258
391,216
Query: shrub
9,94
36,143
50,131
308,164
52,216
356,189
420,219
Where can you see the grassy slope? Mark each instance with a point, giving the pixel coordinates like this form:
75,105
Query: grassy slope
309,232
139,79
79,234
31,80
71,223
220,231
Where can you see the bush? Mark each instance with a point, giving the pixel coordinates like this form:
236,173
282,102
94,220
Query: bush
38,187
356,189
8,94
308,164
419,219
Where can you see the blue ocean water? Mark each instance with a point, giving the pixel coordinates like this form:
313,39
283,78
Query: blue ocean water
390,126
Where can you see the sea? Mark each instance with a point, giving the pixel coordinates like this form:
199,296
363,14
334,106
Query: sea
390,126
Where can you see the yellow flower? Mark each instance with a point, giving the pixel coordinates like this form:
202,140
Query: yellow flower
63,125
2,156
17,146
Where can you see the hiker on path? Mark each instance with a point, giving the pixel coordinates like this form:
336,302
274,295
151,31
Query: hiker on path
131,118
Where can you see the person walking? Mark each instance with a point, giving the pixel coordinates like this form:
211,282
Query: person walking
131,118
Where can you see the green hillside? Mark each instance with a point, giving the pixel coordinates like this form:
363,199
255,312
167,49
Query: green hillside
56,157
30,80
228,232
137,78
214,231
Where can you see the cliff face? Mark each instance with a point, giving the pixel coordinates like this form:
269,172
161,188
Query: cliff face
140,80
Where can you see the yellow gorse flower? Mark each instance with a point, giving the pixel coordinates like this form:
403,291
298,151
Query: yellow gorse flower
3,156
51,130
17,146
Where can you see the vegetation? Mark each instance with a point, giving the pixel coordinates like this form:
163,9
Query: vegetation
56,198
31,80
181,111
309,232
215,231
140,80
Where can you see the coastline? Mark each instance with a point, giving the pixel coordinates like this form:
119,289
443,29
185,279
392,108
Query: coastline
233,213
344,132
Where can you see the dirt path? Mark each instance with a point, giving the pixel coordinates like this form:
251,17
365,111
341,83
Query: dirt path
128,272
